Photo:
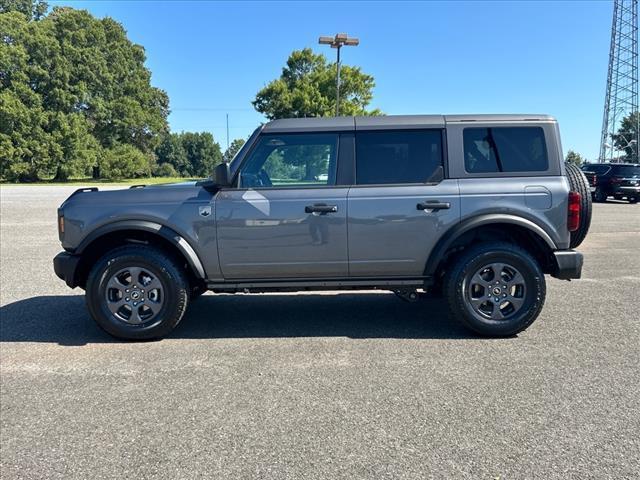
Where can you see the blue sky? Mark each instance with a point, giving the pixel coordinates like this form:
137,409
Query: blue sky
426,57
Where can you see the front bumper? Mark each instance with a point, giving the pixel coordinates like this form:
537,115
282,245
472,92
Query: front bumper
66,265
627,190
568,264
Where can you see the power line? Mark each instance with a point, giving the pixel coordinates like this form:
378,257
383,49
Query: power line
210,109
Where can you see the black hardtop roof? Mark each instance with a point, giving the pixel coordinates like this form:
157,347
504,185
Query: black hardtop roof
391,122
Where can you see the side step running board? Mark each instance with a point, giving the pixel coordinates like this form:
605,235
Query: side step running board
319,284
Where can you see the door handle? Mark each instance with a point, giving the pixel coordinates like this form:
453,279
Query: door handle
433,205
321,208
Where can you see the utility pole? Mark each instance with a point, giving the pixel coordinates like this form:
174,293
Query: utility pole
337,42
227,131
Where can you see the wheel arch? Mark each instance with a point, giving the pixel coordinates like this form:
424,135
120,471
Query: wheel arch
109,236
495,225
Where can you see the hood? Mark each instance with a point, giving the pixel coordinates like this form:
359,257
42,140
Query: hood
138,194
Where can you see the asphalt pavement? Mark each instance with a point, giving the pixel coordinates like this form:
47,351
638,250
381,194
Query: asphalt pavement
333,385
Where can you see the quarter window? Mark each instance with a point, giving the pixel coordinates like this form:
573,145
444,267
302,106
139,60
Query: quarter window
396,157
505,149
291,160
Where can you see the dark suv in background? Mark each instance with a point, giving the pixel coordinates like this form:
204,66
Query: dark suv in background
617,180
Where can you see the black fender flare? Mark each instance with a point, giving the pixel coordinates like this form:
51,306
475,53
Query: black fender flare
152,227
469,224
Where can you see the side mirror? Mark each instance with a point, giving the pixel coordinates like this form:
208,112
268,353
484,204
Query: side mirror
222,175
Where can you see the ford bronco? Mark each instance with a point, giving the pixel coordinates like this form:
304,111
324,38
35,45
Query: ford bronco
476,208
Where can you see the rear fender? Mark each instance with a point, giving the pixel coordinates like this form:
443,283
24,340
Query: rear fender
455,232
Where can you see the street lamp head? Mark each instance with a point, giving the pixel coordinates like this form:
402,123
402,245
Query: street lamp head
339,40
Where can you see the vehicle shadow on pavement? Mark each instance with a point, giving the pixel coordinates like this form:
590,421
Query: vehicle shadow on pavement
64,319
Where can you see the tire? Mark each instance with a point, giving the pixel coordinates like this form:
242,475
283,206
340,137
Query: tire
525,294
599,196
116,298
579,183
196,292
633,200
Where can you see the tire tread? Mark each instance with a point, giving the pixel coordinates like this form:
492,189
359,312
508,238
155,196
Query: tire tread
453,285
160,260
579,183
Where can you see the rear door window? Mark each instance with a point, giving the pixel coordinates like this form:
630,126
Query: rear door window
398,157
505,149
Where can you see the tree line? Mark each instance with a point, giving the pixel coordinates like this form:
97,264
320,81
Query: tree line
76,101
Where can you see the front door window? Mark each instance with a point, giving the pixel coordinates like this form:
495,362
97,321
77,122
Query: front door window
291,160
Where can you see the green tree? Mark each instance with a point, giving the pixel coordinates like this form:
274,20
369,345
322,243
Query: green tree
626,139
165,170
172,152
190,154
32,9
575,158
307,88
234,148
72,87
203,153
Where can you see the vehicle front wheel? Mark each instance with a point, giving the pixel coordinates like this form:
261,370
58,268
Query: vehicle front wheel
137,292
599,195
495,289
633,200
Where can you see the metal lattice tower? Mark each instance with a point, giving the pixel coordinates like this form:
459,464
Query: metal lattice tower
622,78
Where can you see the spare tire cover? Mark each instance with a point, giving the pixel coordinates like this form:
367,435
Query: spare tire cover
578,183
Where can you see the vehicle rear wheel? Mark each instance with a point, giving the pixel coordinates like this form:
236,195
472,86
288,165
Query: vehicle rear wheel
137,292
599,196
633,200
495,289
578,183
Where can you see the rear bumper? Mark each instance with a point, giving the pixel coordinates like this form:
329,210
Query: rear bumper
65,265
569,264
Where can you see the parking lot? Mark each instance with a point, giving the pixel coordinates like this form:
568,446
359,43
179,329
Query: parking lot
318,385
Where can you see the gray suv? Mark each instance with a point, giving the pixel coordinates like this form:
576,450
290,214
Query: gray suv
476,208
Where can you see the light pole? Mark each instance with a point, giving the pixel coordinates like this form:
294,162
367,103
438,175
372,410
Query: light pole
338,42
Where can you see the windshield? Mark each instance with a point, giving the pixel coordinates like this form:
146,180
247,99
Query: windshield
234,164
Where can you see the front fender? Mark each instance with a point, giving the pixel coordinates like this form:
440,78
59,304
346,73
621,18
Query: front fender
152,227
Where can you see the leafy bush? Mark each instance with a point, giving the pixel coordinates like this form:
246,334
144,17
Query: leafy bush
123,161
165,170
